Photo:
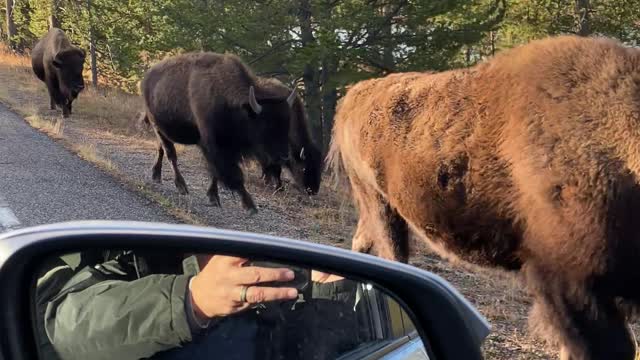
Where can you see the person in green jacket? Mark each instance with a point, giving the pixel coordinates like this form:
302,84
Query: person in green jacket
162,306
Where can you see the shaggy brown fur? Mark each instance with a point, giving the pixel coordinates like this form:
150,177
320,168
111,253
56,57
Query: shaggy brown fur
529,162
305,157
59,64
204,99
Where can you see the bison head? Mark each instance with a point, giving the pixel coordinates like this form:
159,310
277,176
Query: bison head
306,167
271,127
69,64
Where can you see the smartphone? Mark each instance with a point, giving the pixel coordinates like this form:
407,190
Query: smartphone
301,281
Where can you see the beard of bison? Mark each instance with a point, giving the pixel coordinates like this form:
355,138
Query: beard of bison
527,162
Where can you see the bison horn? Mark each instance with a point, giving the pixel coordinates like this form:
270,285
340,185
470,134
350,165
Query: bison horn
302,154
291,97
253,102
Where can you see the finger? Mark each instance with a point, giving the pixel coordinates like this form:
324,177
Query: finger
231,260
319,276
259,294
240,308
254,275
333,278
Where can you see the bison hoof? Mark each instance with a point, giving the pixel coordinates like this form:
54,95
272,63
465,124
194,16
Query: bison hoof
156,177
182,188
252,211
214,202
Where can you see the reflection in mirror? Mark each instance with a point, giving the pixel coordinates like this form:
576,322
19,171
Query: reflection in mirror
140,304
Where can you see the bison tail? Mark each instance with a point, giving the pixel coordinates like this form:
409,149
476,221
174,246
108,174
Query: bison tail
335,165
143,121
144,118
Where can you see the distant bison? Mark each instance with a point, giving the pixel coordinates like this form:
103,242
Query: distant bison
215,101
529,161
59,65
305,157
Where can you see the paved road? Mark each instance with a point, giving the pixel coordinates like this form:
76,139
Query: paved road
41,182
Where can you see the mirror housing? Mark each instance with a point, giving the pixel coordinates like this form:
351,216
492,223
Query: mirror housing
448,325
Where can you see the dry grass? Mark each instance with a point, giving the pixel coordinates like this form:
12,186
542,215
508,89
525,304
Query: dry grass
8,58
43,125
88,152
104,127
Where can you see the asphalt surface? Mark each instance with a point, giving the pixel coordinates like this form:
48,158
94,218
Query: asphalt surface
41,182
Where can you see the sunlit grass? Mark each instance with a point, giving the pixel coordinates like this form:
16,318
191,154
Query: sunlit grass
88,152
8,58
42,124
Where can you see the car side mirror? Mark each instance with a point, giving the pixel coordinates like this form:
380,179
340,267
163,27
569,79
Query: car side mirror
68,286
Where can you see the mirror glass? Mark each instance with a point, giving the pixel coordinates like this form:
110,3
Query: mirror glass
142,304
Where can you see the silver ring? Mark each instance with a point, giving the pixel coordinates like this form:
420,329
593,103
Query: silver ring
243,293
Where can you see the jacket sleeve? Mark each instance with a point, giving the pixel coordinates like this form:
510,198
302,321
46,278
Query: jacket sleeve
115,319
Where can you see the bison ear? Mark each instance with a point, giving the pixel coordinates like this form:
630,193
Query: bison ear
57,63
57,59
84,53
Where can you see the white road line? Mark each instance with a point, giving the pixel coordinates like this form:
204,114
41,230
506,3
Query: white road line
8,219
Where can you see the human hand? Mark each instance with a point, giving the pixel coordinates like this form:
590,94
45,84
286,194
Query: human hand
324,278
217,289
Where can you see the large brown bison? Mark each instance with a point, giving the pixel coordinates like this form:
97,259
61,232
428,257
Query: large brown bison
529,161
305,159
59,64
214,101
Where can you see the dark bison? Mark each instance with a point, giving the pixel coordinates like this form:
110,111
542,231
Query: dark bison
305,159
59,65
214,101
529,162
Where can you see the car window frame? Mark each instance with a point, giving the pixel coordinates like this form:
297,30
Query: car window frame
448,311
378,303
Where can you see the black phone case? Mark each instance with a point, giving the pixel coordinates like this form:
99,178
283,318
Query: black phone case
301,281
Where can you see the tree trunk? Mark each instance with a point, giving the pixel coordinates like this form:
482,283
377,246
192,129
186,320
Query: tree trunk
11,25
583,10
310,74
313,102
92,48
54,19
493,43
388,60
329,101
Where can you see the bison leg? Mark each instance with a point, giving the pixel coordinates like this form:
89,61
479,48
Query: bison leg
247,201
66,110
587,326
381,230
170,150
156,171
226,168
52,103
272,176
212,193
